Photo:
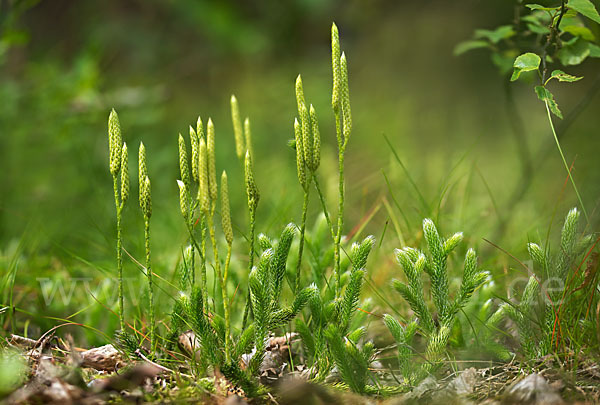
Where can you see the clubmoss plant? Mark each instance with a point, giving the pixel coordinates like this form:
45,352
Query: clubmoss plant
308,158
552,312
253,198
436,333
203,202
328,338
145,200
119,172
480,332
340,101
228,232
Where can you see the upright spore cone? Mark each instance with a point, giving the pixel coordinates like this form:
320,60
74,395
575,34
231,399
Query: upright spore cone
124,175
237,128
114,142
316,138
345,98
300,165
142,171
194,143
146,203
251,189
199,128
183,162
248,135
210,150
183,199
203,192
335,67
225,210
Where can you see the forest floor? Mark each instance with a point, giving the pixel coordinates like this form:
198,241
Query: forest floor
60,372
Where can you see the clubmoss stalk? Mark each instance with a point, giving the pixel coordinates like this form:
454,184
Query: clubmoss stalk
228,232
340,101
145,200
302,177
304,182
115,145
204,204
253,197
301,244
194,143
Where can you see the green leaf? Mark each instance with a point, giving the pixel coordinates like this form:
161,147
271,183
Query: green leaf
466,46
585,7
525,63
579,31
495,36
540,7
545,95
574,52
564,77
504,61
538,29
594,51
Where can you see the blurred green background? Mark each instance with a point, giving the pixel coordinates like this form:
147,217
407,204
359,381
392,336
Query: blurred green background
64,64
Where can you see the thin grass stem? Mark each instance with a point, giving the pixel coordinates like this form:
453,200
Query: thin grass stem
562,156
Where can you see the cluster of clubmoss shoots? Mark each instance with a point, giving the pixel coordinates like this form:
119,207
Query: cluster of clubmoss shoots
340,102
204,172
120,174
145,200
414,263
308,157
566,294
